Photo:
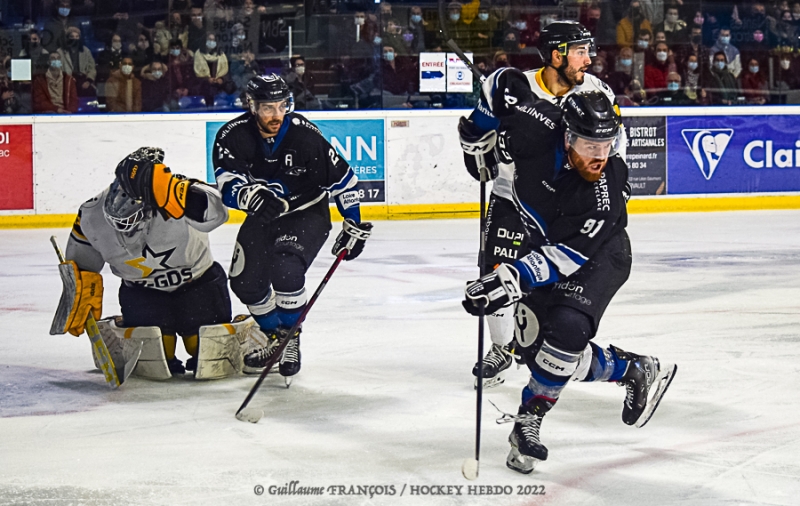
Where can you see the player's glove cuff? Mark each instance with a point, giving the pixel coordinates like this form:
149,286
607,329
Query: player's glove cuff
479,150
352,238
493,291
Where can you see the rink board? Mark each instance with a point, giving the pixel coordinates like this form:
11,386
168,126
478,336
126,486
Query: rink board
409,163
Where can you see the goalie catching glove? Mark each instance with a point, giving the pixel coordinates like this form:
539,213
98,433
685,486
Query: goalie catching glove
154,184
82,294
479,153
496,289
352,238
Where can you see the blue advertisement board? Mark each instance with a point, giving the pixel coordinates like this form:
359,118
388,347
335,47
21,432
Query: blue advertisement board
733,154
360,142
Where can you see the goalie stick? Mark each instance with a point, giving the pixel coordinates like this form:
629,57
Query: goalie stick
99,348
253,415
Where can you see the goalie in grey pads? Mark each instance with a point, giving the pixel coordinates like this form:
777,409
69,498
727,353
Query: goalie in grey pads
151,227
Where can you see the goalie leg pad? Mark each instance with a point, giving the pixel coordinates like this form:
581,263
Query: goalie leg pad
221,348
152,362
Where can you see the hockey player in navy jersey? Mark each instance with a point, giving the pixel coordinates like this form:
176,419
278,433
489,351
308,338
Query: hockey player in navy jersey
571,190
276,166
567,48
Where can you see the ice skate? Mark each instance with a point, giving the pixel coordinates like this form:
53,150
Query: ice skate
175,366
497,360
256,360
526,448
646,381
290,359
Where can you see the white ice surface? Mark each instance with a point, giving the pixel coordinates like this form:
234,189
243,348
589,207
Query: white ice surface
385,395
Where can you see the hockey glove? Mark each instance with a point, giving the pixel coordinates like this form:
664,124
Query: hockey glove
352,238
154,184
260,202
82,294
479,154
496,289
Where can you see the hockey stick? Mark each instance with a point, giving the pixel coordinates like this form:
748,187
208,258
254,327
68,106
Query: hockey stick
253,415
98,346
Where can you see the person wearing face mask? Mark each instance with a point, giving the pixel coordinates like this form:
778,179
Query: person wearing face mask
79,63
302,84
54,91
210,66
54,33
754,84
394,80
694,47
620,78
416,27
657,69
629,27
123,89
692,76
155,87
599,68
675,29
732,54
143,53
180,71
197,30
178,28
674,94
110,58
756,47
482,29
722,84
32,49
456,28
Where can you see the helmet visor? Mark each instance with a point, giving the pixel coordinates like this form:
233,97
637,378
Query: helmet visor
596,149
270,109
583,47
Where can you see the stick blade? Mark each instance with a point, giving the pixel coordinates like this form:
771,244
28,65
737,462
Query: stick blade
470,469
251,415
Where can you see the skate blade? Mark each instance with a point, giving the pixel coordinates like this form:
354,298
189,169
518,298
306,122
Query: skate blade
663,380
520,463
470,469
251,415
288,380
490,382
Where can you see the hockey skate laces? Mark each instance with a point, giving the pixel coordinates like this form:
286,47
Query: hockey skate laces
510,418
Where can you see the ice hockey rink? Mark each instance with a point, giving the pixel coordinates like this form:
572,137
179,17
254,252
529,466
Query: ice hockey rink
385,396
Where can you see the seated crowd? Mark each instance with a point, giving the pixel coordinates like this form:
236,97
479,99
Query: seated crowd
172,55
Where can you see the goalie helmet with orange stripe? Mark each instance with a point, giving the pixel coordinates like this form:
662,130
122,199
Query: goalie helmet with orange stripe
125,209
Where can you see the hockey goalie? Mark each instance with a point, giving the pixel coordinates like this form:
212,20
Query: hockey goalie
151,227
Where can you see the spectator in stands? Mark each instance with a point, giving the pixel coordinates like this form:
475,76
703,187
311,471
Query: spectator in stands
110,58
782,31
692,76
511,41
673,27
197,30
123,89
178,29
394,81
9,101
787,77
674,94
393,36
416,27
722,83
54,33
620,78
732,54
653,11
644,42
660,36
599,68
243,67
55,90
155,87
32,49
456,28
754,84
229,97
210,67
482,29
656,71
302,84
500,60
161,37
78,62
695,47
629,27
142,53
756,47
743,33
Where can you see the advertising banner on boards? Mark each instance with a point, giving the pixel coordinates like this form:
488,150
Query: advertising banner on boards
359,141
733,154
16,164
647,154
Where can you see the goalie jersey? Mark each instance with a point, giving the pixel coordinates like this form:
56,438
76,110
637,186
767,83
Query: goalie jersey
163,254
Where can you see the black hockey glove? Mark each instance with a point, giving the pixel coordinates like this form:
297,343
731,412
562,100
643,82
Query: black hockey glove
479,155
352,238
496,289
511,89
260,202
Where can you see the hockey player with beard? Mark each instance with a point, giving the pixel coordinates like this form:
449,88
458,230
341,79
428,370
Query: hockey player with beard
567,48
151,227
276,166
571,189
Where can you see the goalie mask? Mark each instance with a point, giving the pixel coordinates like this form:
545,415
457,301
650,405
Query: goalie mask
123,212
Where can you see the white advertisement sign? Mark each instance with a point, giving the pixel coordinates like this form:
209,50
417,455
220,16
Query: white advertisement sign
432,73
459,77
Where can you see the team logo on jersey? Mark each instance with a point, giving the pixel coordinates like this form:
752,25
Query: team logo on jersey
707,146
150,261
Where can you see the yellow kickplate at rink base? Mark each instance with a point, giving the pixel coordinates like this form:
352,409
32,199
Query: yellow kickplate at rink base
371,212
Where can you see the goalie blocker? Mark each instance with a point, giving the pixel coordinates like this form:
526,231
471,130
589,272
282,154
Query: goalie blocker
221,347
